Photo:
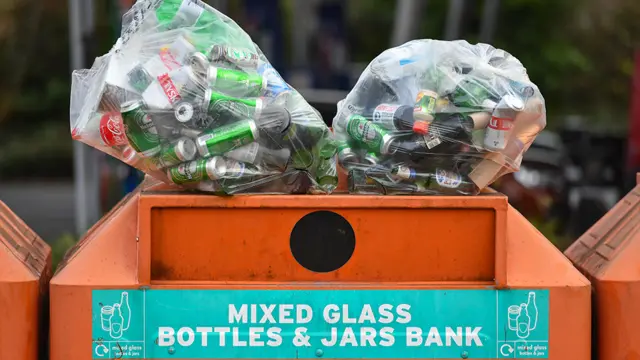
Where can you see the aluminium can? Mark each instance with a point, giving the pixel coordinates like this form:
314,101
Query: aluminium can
139,128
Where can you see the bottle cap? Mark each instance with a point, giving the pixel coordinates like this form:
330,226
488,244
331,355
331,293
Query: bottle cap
421,127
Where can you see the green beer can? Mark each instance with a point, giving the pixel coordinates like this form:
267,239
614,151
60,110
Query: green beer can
232,80
347,157
225,138
214,97
196,171
375,138
139,128
186,173
177,152
216,102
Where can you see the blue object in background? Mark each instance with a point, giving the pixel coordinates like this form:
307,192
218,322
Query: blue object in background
133,179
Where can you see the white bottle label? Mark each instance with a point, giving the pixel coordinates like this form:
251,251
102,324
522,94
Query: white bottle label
448,179
383,115
432,140
497,133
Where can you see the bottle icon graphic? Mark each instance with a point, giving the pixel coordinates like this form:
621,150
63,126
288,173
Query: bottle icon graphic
522,322
532,309
125,309
117,322
523,319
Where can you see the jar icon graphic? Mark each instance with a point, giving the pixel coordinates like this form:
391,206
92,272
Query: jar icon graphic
514,311
105,317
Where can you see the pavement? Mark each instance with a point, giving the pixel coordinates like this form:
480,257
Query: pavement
47,207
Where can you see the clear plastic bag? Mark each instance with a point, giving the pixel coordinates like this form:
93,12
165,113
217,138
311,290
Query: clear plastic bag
437,117
186,96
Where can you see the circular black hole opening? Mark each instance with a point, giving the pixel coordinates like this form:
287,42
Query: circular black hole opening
322,241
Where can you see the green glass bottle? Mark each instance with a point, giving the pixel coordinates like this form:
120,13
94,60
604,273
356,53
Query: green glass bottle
474,94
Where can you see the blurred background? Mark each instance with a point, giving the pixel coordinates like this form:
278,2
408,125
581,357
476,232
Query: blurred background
583,54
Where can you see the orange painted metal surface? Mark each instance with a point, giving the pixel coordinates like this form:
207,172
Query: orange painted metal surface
609,254
25,270
252,232
160,239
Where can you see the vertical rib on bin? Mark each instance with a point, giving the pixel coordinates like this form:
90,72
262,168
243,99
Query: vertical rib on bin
609,254
25,270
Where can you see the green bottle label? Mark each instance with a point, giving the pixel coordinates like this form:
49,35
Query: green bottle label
426,103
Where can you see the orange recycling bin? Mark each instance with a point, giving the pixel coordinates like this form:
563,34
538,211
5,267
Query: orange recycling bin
609,254
171,275
25,270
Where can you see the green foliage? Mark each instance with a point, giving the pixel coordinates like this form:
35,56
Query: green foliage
550,230
60,247
579,52
40,151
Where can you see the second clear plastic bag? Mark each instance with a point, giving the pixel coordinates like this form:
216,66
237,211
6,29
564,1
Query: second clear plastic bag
437,117
187,97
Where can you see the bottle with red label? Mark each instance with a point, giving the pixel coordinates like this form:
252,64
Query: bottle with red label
501,123
169,89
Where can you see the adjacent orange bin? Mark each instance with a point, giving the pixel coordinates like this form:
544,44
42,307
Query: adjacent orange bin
609,254
397,276
25,270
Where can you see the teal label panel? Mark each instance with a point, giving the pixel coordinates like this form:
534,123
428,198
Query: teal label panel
316,324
